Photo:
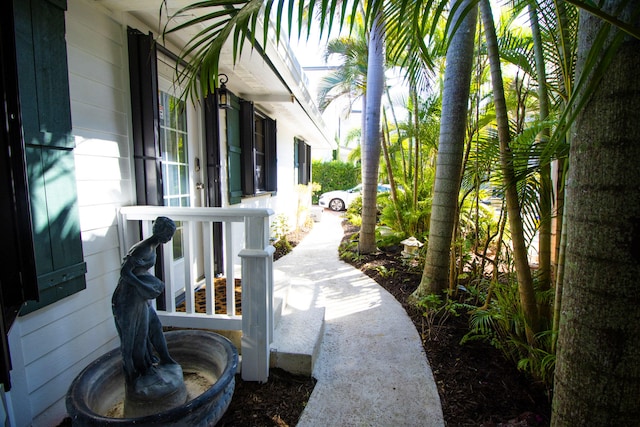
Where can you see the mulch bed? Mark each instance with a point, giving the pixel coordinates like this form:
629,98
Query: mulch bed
477,385
279,402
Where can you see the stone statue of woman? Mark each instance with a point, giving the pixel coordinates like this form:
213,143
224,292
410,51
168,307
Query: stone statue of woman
147,376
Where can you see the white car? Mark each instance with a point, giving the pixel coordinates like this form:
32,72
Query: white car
340,200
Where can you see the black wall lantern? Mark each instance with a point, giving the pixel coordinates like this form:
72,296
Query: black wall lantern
224,100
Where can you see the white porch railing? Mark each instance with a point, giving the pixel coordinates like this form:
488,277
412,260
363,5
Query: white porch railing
256,260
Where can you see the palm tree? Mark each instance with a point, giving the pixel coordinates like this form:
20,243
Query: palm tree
372,143
520,255
597,381
362,75
349,78
457,83
544,243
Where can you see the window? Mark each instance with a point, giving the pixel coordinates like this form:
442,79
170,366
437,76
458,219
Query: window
251,148
302,161
259,153
175,166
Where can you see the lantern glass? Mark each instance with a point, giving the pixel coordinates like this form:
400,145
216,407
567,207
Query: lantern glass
223,98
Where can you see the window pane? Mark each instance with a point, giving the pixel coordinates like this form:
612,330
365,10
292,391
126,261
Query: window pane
259,135
260,169
164,111
171,180
184,179
169,146
177,242
181,115
259,156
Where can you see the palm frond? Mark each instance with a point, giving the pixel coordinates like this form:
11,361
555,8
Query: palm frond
219,19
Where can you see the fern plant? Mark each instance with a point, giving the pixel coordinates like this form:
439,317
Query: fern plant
502,325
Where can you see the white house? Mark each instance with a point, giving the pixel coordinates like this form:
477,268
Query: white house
94,123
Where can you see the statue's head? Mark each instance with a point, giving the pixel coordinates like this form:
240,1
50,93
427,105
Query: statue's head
164,228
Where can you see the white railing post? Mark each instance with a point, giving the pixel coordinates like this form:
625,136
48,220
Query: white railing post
257,297
169,278
207,244
188,248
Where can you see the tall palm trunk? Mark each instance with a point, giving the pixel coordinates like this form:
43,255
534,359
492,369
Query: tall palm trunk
523,272
597,377
395,124
453,127
544,231
389,166
416,139
559,239
371,148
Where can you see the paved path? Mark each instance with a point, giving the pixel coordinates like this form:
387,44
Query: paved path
371,369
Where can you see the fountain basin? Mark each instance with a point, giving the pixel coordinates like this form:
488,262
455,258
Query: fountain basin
209,362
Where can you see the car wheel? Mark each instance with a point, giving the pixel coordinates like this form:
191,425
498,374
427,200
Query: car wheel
336,205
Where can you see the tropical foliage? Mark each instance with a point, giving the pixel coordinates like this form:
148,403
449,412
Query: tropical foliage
492,211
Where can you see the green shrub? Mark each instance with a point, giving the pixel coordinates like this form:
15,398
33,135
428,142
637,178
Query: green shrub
280,226
502,325
334,175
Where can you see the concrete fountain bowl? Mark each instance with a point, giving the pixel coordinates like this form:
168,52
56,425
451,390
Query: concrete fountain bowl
209,362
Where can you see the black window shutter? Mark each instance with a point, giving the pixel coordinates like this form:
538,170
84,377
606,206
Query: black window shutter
145,116
308,168
304,166
46,123
247,135
296,160
212,149
271,160
301,162
18,280
234,151
143,78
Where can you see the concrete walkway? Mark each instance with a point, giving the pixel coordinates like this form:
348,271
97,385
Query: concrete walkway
371,367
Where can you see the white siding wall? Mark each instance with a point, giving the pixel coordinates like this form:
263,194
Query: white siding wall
51,346
288,196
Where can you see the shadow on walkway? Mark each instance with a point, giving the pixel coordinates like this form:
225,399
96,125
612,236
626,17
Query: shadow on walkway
371,368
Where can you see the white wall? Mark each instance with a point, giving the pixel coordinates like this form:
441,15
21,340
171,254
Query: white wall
52,345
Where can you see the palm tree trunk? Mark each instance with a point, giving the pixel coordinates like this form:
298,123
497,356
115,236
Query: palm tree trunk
496,259
525,281
371,148
395,123
558,180
453,128
392,180
597,376
566,62
557,300
416,139
544,232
